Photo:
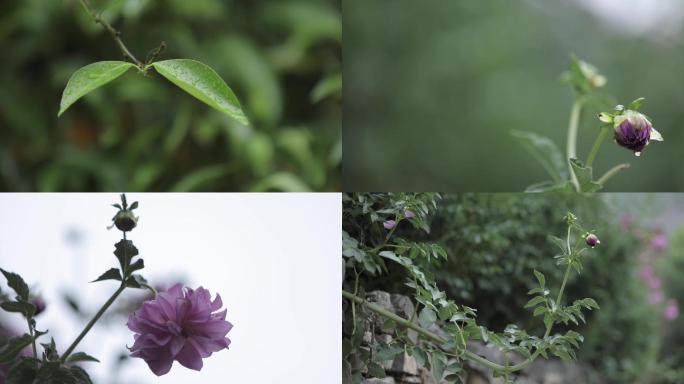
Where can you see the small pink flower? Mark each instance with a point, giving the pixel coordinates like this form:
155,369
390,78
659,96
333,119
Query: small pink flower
180,324
659,242
653,282
646,272
671,310
409,214
389,224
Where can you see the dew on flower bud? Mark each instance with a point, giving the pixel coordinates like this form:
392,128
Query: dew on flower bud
592,240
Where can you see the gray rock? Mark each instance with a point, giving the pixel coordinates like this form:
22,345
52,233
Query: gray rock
403,306
382,299
404,365
386,380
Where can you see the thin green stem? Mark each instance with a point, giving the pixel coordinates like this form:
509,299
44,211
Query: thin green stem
597,144
611,172
116,35
573,127
93,321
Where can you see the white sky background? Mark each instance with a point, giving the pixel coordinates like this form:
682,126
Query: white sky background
274,258
639,17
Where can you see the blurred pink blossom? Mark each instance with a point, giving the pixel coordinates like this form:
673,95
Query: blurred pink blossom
627,220
671,310
659,241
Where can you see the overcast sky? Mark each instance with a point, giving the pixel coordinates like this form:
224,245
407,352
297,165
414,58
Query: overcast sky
274,258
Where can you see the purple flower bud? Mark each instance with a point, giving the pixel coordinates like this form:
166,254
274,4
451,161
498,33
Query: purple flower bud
39,303
409,214
592,240
389,224
634,131
179,324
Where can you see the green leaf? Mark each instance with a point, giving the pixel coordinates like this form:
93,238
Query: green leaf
550,186
91,77
636,104
535,301
14,345
426,318
329,85
545,151
25,308
112,274
202,82
81,356
17,283
125,251
22,372
136,281
387,352
375,370
420,356
540,278
584,177
139,264
438,365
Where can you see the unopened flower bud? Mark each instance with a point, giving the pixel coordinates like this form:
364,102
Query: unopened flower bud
389,224
592,240
634,131
594,78
409,214
125,220
39,303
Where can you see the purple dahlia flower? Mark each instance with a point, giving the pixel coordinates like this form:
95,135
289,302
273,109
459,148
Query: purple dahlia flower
634,131
179,324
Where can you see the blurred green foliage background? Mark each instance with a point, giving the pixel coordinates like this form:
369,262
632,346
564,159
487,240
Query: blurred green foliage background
140,133
434,87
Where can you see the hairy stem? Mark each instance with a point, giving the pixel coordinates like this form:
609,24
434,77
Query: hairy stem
93,321
597,144
571,150
116,35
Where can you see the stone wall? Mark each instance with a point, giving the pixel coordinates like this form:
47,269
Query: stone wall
405,370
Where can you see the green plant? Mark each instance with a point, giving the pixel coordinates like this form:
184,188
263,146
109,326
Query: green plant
367,248
631,129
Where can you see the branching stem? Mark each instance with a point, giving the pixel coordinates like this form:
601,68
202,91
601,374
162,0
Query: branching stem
116,34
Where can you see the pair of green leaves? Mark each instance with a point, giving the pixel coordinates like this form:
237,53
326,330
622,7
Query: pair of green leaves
194,77
125,252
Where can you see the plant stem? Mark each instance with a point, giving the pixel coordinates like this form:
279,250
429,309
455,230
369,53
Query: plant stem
612,172
93,321
33,342
597,144
116,35
571,150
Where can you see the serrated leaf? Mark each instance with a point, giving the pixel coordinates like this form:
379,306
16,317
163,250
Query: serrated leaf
438,365
14,345
420,356
202,82
112,274
545,151
124,252
89,78
81,356
17,284
584,177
